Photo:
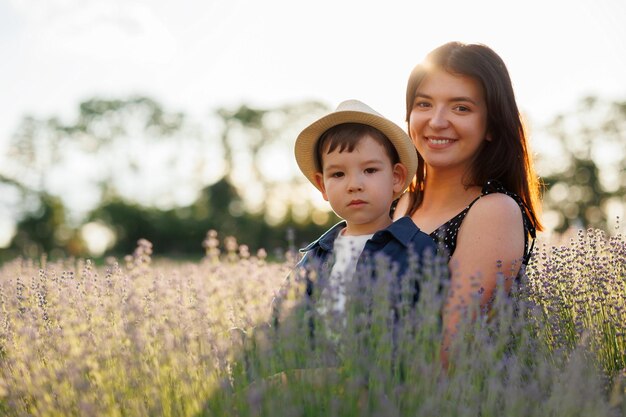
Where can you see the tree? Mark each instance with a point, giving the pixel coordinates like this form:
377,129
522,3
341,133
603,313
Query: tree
181,230
44,230
593,142
53,165
130,160
258,143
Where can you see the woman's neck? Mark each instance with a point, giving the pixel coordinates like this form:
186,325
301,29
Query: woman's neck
444,197
447,191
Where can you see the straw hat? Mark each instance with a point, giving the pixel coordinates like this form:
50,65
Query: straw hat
353,111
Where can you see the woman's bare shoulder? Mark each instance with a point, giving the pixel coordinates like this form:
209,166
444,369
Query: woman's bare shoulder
402,207
495,207
492,233
495,223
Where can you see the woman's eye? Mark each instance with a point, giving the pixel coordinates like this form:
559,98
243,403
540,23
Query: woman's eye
462,108
422,104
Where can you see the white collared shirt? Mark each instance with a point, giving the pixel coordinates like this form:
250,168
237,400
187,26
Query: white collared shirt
346,252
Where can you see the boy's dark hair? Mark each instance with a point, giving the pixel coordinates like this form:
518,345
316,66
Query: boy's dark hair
346,137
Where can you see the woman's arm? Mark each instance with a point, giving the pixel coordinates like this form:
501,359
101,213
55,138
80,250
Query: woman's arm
492,234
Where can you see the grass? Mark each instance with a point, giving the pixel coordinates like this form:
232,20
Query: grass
141,336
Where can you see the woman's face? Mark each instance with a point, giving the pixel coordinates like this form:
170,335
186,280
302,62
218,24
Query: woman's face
448,121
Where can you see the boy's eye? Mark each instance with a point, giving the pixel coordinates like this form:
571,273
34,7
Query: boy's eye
337,174
370,170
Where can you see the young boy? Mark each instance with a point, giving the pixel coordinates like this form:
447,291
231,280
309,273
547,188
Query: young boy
361,162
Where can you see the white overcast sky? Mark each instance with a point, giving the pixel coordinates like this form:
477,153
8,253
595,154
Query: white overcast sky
195,56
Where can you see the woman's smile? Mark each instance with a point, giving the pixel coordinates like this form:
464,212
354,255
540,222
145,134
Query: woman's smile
439,142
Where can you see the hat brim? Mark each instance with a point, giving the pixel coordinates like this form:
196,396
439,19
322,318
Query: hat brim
306,143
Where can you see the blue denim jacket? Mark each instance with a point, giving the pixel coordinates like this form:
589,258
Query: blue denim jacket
396,242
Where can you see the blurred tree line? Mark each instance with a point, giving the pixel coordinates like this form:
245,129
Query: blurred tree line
145,172
587,186
129,169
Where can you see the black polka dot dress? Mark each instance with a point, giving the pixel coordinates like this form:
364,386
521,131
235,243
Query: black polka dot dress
447,233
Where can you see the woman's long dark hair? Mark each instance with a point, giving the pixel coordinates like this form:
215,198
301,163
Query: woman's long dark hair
506,157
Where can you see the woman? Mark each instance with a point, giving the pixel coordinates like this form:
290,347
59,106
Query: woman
475,189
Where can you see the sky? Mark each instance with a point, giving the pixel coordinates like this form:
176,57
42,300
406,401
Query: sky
195,56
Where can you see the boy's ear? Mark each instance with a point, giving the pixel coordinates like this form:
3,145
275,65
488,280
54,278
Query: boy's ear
319,179
399,177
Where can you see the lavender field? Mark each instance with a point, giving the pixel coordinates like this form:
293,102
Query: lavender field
145,336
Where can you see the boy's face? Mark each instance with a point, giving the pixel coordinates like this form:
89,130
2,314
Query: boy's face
360,185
